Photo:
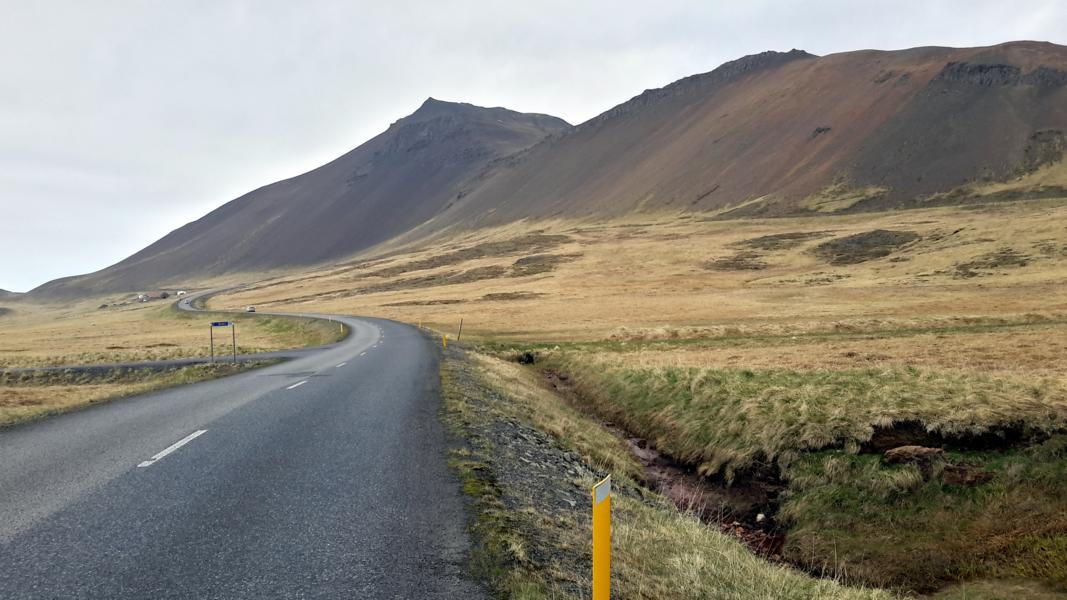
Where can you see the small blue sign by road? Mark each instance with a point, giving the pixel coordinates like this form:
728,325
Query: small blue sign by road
221,323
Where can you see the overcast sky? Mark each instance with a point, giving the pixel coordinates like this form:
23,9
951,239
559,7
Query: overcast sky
120,121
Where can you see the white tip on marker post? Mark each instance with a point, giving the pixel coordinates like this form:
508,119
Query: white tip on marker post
602,539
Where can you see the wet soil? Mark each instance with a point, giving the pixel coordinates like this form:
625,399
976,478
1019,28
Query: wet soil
744,508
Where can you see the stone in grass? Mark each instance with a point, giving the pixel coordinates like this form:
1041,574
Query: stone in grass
911,454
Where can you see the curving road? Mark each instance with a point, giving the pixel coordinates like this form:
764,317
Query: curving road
320,477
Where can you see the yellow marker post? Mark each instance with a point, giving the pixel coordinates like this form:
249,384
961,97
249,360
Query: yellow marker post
444,342
602,539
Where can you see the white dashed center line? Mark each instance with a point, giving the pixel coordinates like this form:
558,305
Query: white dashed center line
297,384
363,353
185,440
340,365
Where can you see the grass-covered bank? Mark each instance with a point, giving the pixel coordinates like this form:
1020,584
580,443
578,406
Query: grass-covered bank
991,505
30,395
527,460
53,335
294,332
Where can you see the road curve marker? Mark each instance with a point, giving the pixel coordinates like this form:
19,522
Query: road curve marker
602,539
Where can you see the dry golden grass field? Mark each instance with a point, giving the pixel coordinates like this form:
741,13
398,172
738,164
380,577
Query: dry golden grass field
792,347
36,335
782,346
27,396
697,277
39,335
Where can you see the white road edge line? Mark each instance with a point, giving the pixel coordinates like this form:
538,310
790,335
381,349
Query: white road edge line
297,384
185,440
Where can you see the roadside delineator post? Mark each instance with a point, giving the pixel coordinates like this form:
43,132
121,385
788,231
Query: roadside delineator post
602,539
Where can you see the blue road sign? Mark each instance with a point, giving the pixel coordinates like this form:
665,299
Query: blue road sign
221,323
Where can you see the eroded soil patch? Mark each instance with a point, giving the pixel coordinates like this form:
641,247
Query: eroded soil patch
498,296
534,242
913,433
863,247
1004,258
540,263
742,261
425,302
783,241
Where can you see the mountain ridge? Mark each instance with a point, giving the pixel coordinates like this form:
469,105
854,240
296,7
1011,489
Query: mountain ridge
770,134
380,189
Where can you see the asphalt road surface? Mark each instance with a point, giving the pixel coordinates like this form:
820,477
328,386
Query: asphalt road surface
321,477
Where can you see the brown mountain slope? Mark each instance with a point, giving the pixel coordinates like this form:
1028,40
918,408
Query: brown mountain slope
769,134
786,125
381,189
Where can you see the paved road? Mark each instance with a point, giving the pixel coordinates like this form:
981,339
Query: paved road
321,477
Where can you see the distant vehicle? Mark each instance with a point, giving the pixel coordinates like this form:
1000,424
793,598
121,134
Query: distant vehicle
180,293
250,309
